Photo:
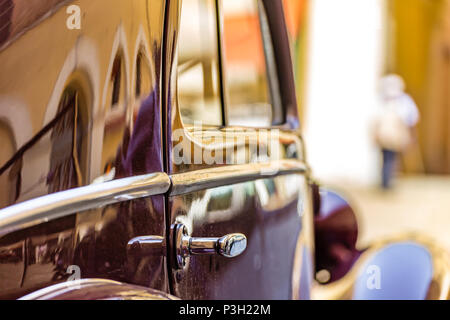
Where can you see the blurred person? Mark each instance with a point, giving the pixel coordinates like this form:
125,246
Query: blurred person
394,125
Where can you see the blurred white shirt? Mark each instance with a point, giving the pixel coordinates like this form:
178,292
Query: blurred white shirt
404,106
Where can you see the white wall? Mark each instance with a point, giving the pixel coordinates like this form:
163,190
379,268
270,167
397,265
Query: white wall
344,65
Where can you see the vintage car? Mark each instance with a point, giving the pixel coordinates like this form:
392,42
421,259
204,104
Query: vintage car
151,149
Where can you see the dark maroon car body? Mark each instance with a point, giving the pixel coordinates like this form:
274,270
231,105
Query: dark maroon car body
274,211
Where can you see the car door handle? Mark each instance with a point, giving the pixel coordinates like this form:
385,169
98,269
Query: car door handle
229,246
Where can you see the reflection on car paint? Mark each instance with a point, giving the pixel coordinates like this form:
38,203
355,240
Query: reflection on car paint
99,132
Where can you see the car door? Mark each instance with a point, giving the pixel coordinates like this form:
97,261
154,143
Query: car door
85,171
234,154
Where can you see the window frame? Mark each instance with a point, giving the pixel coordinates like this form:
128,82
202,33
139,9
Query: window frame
281,84
278,113
217,46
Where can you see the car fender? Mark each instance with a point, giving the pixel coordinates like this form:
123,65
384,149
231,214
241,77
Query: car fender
97,289
405,267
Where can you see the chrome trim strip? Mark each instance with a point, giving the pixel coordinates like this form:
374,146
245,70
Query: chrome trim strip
272,73
187,182
57,205
50,292
104,287
54,206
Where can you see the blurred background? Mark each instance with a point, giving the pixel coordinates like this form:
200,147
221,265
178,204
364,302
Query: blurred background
342,50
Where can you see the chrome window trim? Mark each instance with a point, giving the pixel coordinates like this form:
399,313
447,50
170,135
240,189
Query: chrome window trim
278,114
222,75
273,82
187,182
57,205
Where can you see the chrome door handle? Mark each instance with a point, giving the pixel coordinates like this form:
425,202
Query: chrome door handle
229,246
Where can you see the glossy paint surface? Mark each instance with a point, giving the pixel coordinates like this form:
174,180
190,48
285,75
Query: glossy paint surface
274,214
105,107
335,232
83,107
269,219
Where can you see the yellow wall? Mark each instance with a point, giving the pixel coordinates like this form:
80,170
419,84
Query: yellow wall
412,24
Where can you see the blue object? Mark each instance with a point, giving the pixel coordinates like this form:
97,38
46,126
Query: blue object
400,271
330,202
388,170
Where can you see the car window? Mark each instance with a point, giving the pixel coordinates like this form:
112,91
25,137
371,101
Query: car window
250,76
198,63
